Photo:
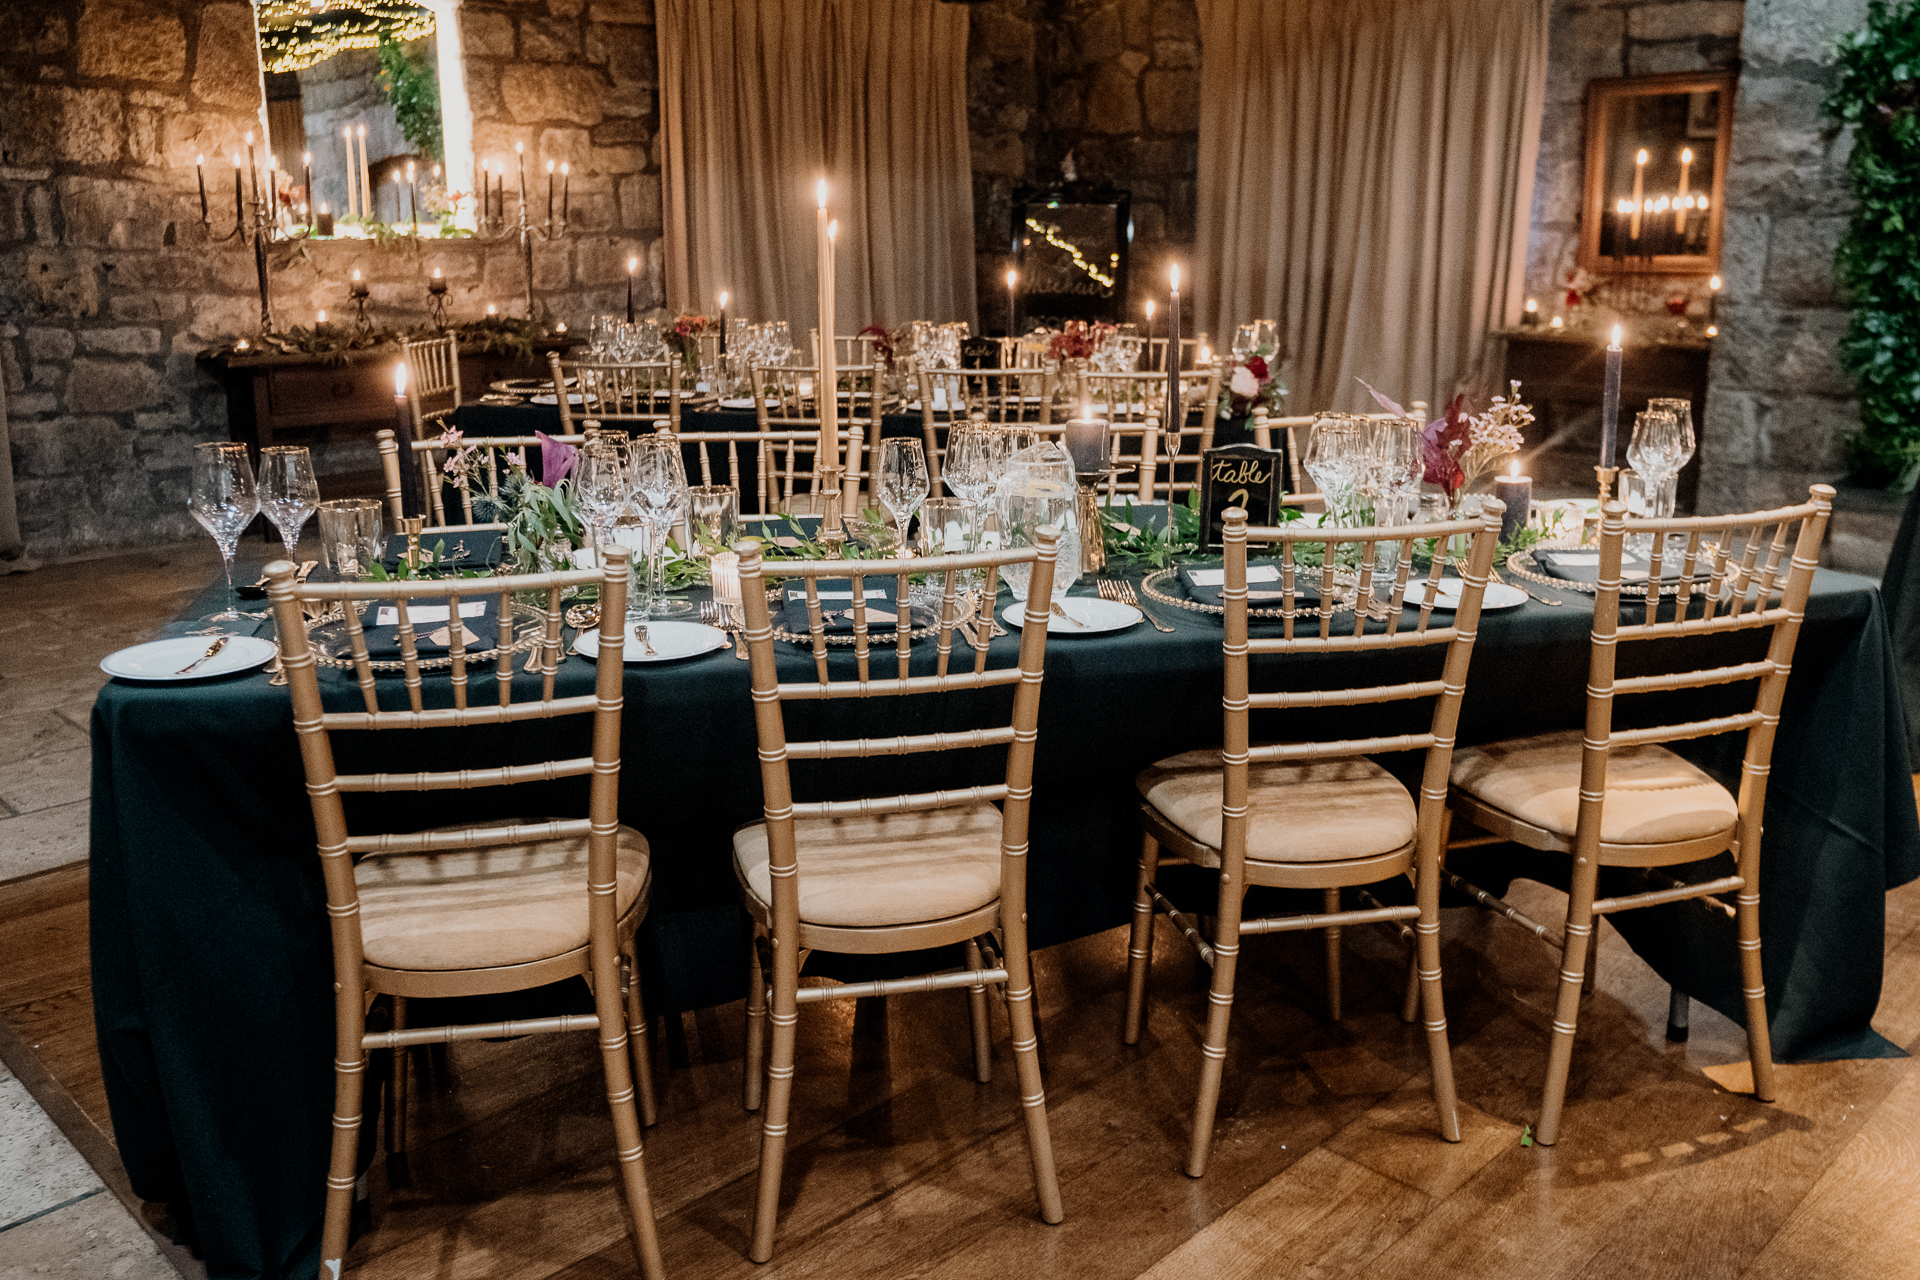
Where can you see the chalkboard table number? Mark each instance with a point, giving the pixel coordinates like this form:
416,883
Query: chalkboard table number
1240,475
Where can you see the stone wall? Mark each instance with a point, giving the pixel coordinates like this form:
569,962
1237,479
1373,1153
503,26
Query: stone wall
1590,40
1779,404
111,287
1114,82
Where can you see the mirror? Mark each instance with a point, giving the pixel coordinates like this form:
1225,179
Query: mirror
1070,248
1656,149
360,86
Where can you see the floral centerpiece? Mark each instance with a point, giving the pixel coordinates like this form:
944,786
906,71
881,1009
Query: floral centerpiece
1078,340
883,344
543,520
683,339
1253,384
1462,449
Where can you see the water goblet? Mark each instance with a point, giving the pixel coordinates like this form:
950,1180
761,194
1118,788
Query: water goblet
657,488
350,535
224,500
288,491
903,480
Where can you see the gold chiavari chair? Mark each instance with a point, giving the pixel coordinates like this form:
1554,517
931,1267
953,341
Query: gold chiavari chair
1313,814
941,406
785,403
889,874
1612,797
848,352
1135,404
617,394
1006,394
1189,353
433,382
491,462
478,908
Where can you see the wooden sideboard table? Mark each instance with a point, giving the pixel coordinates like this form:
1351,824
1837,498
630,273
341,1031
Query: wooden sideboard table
1562,375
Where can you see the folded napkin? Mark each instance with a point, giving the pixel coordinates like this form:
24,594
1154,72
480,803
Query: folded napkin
1204,584
475,549
836,605
431,626
1584,565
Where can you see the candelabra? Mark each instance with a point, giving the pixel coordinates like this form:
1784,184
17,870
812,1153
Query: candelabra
357,290
256,224
437,299
496,227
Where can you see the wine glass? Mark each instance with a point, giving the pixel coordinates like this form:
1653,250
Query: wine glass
1333,455
657,487
224,501
1039,489
903,481
600,484
288,492
1657,448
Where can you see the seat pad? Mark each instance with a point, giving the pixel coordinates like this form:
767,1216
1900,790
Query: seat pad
483,908
1320,811
893,869
1653,796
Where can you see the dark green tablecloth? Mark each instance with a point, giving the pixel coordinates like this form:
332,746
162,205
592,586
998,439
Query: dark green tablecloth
211,972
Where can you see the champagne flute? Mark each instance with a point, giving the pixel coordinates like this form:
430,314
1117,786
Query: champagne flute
224,501
288,491
903,481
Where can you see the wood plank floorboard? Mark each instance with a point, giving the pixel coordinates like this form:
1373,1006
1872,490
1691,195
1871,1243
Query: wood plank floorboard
1326,1161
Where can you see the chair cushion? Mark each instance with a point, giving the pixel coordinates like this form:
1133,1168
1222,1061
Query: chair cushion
481,908
898,868
1653,796
1323,811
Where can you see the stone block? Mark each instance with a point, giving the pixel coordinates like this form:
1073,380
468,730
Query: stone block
93,126
1800,262
143,135
640,203
607,162
1777,32
1002,35
601,260
1582,46
1652,59
147,308
113,386
1809,352
1113,103
563,146
1176,54
1099,35
627,53
594,209
34,404
125,39
1176,20
1133,61
483,92
621,12
30,126
62,282
111,213
68,446
49,375
173,420
549,40
50,344
226,70
217,318
1744,239
535,94
1808,433
486,34
11,375
1686,20
1172,100
129,341
1002,155
622,133
30,29
566,8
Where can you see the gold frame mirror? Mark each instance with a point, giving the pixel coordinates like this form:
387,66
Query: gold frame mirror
1656,172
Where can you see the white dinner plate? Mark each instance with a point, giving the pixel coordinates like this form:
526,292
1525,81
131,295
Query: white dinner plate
742,402
1499,595
159,661
671,642
1094,616
550,398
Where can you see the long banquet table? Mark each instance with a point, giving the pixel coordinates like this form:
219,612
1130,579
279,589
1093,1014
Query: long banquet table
211,969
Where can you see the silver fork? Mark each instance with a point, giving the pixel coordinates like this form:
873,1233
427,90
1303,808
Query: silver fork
1120,591
715,614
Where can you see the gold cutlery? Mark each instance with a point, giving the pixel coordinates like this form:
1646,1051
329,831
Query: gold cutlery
1120,591
212,649
640,634
1528,590
1061,610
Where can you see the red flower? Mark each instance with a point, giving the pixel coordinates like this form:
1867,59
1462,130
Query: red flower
1573,297
1257,366
1442,443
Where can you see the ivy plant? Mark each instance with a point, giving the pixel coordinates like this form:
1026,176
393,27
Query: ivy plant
1878,93
413,87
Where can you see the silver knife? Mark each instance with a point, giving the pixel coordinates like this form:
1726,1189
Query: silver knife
212,649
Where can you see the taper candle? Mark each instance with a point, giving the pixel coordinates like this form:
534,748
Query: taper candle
1713,299
1171,423
200,176
1013,304
828,381
1680,202
253,168
1639,189
306,184
549,197
1152,306
723,322
410,497
366,177
413,201
239,194
1610,403
566,188
633,265
520,161
353,205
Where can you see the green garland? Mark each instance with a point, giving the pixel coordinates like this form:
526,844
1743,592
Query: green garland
1878,93
493,335
413,87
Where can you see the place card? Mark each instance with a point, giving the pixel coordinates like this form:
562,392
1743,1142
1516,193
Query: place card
389,615
1218,577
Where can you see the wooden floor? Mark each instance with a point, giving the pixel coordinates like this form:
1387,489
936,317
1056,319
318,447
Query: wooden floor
1326,1164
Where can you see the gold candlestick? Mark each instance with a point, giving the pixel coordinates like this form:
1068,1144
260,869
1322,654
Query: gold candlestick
412,526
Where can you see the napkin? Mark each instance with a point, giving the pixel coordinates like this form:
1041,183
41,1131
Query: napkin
1205,583
1584,566
836,605
476,549
431,626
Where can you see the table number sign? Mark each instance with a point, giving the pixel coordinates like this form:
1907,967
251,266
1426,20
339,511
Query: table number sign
1240,475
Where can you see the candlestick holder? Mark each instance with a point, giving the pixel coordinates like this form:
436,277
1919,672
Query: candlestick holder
437,302
1606,476
526,232
1086,515
357,292
411,526
256,225
832,534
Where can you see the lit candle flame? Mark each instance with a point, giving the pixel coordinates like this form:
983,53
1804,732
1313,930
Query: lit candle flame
1713,283
565,169
363,131
1150,307
492,310
1012,278
306,157
321,316
633,265
1514,470
1642,157
1556,323
356,275
436,273
833,229
1616,336
198,161
549,168
1176,277
1686,155
1532,306
723,299
400,378
519,148
820,193
249,137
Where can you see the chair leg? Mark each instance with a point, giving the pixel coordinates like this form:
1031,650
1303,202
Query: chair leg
1426,943
1410,1003
1566,1014
1754,987
398,1088
1330,899
1587,977
1026,1059
616,1064
349,1085
785,1017
1213,1059
1679,1012
1140,941
639,1043
977,1016
755,1064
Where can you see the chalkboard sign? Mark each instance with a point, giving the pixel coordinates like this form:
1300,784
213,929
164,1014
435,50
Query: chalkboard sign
1240,475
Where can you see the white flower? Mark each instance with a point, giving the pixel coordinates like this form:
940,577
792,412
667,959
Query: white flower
1244,383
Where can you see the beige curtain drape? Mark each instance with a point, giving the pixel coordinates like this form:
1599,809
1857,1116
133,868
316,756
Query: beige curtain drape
1366,169
759,98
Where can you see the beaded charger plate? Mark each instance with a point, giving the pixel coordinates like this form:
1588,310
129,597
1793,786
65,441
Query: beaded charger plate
924,623
333,645
1522,564
1155,584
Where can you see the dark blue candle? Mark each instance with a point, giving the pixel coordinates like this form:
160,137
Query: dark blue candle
1610,404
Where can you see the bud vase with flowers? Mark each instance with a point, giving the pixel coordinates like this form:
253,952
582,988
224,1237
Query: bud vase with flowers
683,339
1254,383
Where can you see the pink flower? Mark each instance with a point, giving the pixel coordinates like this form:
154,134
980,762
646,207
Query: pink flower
1244,382
556,459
